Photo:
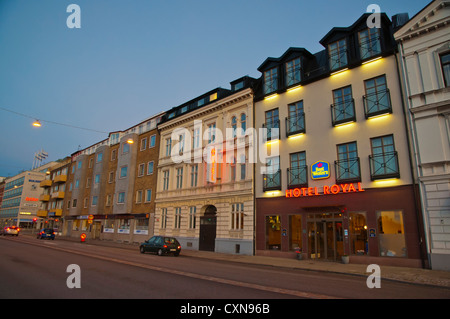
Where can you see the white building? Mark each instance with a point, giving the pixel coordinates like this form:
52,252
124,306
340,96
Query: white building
424,63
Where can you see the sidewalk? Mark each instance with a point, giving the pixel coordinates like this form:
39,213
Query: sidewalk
402,274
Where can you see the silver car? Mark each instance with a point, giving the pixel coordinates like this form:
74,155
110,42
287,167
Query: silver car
10,230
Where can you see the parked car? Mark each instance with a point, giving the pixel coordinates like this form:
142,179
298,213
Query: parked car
46,233
10,230
161,245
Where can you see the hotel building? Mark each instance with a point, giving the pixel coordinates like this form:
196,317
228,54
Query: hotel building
424,62
337,179
204,194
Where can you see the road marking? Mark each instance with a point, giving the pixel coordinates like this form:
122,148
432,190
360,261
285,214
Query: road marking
295,293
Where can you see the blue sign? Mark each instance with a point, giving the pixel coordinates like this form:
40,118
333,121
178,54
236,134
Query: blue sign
320,170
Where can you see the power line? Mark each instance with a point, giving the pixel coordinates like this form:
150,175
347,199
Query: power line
51,122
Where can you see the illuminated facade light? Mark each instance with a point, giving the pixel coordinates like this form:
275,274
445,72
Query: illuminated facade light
37,123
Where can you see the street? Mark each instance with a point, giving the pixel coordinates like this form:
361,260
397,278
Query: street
31,268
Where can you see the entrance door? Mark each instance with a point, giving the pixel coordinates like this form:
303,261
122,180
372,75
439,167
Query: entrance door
208,225
325,236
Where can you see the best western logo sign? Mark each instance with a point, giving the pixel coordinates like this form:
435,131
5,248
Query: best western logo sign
320,170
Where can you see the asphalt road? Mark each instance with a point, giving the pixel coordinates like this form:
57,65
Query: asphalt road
31,268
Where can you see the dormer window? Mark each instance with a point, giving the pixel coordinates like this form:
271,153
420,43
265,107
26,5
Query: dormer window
293,75
270,81
338,54
369,43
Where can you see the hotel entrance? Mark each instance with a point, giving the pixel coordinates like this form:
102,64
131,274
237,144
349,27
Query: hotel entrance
325,236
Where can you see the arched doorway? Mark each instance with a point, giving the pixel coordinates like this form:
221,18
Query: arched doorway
208,223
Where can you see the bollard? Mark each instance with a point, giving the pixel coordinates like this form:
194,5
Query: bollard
83,237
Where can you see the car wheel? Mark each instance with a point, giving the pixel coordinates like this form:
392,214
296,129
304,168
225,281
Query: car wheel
160,252
141,249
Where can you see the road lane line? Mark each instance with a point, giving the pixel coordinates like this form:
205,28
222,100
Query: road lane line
290,292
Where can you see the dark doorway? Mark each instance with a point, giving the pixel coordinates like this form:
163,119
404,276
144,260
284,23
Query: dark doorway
208,229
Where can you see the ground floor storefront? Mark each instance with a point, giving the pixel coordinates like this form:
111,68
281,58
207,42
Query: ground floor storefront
116,227
368,225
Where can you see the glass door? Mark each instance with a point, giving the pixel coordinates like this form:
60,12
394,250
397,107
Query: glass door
325,236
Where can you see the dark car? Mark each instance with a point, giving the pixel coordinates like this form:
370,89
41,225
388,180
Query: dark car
46,233
161,245
10,230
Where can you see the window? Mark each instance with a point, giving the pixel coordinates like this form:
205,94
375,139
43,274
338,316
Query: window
212,133
295,122
192,217
295,232
77,183
347,164
97,179
99,157
108,200
273,232
237,216
86,201
88,182
177,218
150,168
272,124
152,141
298,170
168,146
377,100
358,234
343,108
270,81
139,196
196,138
148,195
338,54
141,169
113,155
179,177
293,72
384,159
125,148
194,175
91,162
445,63
391,233
94,200
121,198
143,144
111,177
272,178
369,43
233,169
79,164
165,180
163,218
243,171
234,125
181,143
243,122
123,171
74,203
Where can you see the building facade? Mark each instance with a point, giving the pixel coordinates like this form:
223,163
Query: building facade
110,186
337,178
204,194
424,62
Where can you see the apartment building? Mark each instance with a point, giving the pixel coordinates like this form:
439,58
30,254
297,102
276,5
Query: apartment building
53,194
105,183
204,194
337,178
424,62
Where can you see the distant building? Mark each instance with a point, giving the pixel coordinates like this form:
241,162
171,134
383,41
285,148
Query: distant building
424,62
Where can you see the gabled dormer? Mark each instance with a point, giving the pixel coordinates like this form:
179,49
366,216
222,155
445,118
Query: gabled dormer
348,47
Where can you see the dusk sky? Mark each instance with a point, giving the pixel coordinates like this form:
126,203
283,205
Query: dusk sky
132,59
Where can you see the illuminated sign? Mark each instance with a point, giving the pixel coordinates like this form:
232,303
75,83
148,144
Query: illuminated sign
327,190
31,199
320,170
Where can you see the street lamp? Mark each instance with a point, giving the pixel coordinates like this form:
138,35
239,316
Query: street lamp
37,123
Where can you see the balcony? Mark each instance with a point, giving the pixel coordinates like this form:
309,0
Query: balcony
384,166
45,183
295,124
58,195
377,103
42,213
55,212
44,197
60,179
273,130
297,177
343,112
348,170
272,181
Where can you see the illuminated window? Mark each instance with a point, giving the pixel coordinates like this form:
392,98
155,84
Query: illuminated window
273,232
391,233
358,233
369,43
338,54
293,75
270,81
295,232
